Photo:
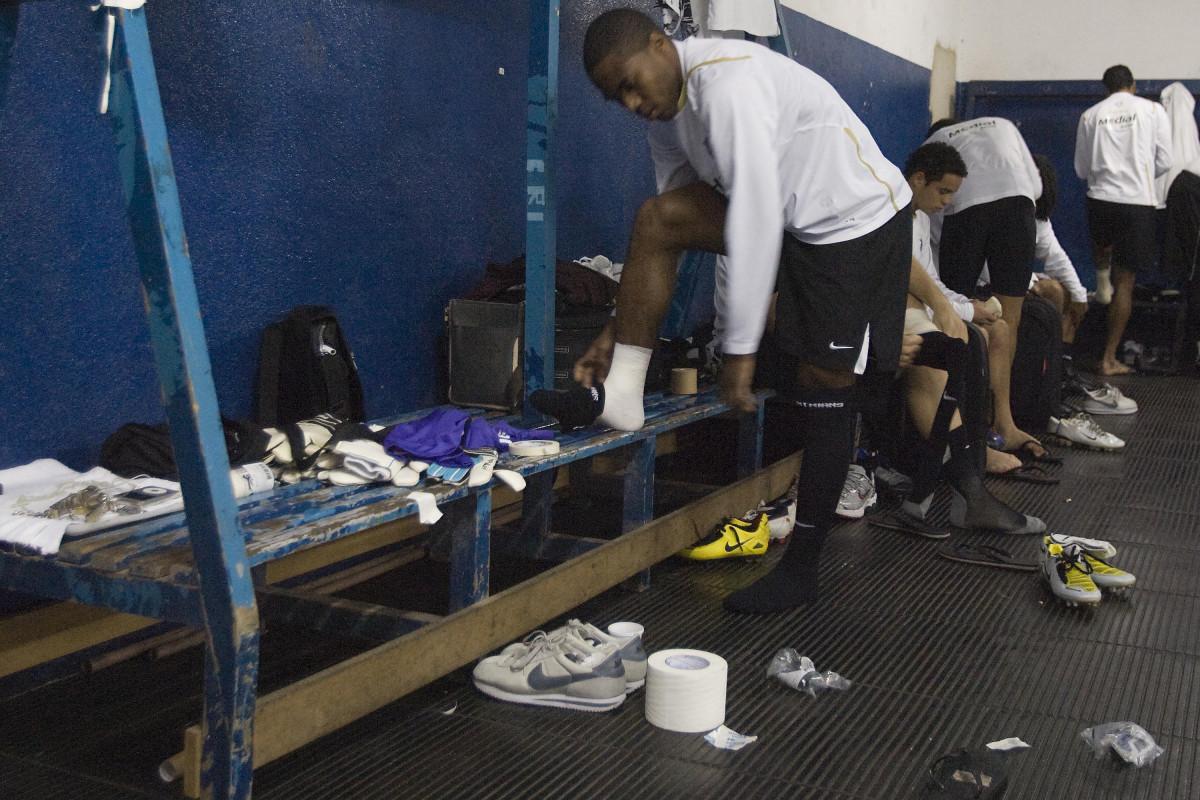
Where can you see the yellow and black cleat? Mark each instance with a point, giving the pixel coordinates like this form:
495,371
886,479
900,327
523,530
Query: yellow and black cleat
734,538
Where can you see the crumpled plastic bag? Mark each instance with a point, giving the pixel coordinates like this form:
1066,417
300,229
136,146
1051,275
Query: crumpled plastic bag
800,673
1127,740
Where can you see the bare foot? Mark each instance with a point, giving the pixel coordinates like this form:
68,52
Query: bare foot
1113,368
998,462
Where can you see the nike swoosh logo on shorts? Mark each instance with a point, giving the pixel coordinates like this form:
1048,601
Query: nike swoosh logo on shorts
833,346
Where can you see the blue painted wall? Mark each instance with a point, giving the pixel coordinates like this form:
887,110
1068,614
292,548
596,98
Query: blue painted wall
1047,113
367,155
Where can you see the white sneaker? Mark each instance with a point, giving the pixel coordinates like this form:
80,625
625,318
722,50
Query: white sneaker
1106,399
1094,547
858,493
1082,430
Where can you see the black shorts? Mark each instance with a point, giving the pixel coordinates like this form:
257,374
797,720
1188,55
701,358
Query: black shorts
1131,231
1002,233
831,295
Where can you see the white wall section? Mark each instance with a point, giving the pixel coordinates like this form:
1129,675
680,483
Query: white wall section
1025,39
909,29
1078,39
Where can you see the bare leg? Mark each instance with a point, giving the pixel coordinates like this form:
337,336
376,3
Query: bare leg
1104,288
1001,347
1118,318
690,218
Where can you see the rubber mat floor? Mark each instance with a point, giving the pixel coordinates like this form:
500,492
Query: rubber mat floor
942,655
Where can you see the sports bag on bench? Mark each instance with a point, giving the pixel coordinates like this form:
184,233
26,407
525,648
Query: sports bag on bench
305,368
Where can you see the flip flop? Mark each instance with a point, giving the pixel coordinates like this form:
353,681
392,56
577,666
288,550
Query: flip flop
897,520
1026,453
1027,473
983,555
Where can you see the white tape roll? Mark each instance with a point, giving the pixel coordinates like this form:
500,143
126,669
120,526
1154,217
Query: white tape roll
534,447
685,690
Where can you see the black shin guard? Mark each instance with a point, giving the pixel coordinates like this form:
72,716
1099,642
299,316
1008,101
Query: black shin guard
574,408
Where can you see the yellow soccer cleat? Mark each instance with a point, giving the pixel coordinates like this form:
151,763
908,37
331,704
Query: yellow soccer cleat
1106,576
734,538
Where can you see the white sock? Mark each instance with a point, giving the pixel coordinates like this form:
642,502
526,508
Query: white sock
1104,289
624,386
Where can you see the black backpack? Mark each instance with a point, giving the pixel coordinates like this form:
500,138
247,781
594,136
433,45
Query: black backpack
1036,376
305,368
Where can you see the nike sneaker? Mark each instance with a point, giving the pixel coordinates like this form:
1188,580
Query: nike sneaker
781,515
1069,574
625,636
1094,547
563,672
858,493
1095,553
1082,430
1106,399
733,538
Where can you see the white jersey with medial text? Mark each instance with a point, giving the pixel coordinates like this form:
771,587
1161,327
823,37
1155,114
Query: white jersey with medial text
1122,144
998,161
780,143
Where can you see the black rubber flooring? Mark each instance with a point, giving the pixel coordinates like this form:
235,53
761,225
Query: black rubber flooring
941,654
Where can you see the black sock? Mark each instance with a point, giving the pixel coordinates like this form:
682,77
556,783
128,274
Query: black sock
826,418
943,352
983,510
574,408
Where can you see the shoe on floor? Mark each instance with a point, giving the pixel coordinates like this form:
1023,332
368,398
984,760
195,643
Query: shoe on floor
734,538
1095,553
626,637
781,516
1106,399
563,672
1069,574
1094,547
858,493
1081,429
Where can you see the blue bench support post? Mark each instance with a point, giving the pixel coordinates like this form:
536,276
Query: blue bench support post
181,356
638,507
9,15
536,503
750,442
470,548
541,183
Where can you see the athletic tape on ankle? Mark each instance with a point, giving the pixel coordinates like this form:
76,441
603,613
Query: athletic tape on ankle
534,447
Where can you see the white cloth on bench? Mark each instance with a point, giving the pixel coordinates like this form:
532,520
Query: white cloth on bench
28,490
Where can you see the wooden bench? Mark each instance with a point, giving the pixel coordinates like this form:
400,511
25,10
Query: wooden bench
148,568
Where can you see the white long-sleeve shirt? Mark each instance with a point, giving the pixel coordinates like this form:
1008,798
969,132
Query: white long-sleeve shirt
1180,106
780,143
998,161
1122,143
923,253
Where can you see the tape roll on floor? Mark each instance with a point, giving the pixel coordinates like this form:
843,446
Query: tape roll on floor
685,690
534,447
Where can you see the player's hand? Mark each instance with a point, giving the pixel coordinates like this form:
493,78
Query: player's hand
950,323
909,348
734,380
592,368
982,315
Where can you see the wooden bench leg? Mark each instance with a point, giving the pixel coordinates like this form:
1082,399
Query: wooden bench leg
750,442
230,690
639,497
470,549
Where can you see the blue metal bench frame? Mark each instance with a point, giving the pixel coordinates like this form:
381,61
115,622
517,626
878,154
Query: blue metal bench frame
202,574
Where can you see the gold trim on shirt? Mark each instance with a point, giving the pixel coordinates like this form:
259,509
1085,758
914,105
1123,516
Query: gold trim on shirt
683,90
875,175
